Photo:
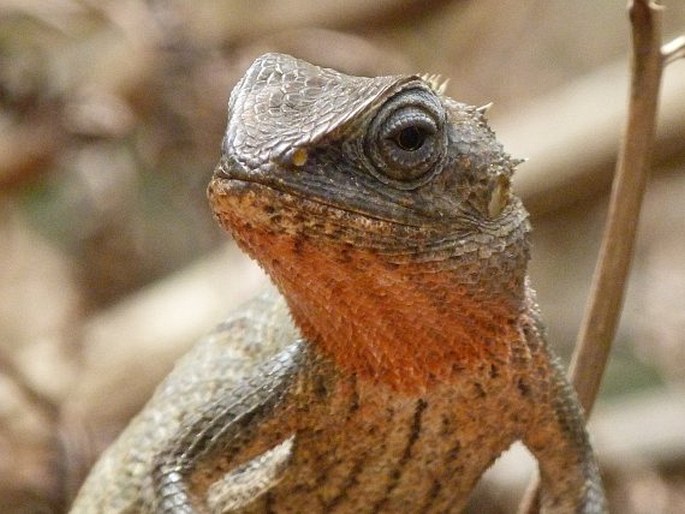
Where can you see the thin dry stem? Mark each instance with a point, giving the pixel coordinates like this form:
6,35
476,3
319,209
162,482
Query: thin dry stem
632,169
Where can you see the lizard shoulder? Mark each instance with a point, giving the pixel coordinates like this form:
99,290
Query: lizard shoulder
210,374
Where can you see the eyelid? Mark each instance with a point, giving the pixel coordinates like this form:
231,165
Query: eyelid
408,119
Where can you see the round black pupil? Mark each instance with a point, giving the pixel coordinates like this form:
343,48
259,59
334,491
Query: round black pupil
411,138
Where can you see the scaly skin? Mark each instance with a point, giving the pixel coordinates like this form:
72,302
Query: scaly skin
403,352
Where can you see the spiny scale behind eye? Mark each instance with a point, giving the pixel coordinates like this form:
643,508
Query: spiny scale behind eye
436,82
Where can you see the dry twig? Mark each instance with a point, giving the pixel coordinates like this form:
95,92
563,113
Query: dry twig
632,169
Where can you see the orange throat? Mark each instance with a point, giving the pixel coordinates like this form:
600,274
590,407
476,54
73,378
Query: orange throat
387,323
411,324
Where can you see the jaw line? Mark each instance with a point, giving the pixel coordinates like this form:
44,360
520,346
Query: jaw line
226,181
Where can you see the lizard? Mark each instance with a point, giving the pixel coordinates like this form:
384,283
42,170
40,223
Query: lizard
402,349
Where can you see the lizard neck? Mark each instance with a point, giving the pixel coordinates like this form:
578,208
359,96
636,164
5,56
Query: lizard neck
407,327
411,324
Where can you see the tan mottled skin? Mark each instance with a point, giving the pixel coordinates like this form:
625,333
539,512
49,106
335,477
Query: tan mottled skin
404,350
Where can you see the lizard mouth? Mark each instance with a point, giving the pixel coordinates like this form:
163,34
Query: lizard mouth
276,207
228,182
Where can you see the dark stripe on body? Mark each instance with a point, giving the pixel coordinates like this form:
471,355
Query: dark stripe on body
396,474
350,481
432,496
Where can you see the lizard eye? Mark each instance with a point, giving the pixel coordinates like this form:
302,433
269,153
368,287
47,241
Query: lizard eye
405,141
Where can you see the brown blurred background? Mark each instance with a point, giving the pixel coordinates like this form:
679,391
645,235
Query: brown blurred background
111,118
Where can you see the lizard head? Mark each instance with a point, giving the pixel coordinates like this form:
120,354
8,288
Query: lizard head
390,148
335,182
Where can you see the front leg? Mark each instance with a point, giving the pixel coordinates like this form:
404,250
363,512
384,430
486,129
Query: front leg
569,473
234,449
